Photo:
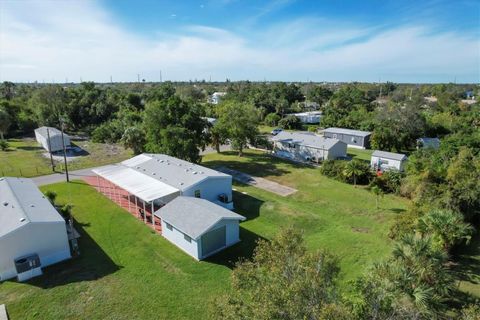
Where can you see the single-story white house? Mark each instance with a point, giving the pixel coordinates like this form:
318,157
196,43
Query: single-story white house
307,146
353,138
153,180
51,138
33,235
310,117
383,161
199,227
426,143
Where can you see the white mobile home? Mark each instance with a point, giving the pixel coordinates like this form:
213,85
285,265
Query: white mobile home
199,227
156,179
383,161
33,235
354,138
311,117
51,138
306,146
428,143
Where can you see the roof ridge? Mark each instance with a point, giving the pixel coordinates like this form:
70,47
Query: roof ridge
19,203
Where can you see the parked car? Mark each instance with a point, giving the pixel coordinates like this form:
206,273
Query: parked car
276,131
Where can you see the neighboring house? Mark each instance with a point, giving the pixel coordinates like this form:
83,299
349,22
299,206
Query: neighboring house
306,146
426,143
354,138
156,179
384,161
216,97
311,117
53,144
199,227
33,235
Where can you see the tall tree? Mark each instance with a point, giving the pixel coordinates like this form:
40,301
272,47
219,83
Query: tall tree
283,281
354,169
175,127
134,138
240,123
5,122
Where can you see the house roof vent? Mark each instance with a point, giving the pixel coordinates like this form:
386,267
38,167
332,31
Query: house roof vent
22,219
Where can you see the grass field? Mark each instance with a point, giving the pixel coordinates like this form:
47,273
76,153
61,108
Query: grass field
25,157
126,271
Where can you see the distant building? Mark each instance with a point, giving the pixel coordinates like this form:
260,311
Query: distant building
310,117
216,97
51,138
33,235
306,146
353,138
199,227
426,143
384,161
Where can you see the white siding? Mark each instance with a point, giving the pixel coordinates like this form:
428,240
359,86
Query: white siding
211,188
48,240
55,141
392,164
309,153
177,237
232,234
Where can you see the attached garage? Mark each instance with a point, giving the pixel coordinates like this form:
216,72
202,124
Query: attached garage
199,227
33,235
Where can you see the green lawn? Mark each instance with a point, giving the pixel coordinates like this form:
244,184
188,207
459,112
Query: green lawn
24,157
126,271
362,154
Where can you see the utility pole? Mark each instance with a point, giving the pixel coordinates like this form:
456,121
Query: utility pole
64,151
160,76
111,81
138,77
50,150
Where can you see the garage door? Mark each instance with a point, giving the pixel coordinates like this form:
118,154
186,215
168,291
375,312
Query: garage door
213,240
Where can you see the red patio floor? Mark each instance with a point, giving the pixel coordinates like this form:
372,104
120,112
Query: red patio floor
121,197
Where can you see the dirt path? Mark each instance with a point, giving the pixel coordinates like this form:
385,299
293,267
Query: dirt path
258,182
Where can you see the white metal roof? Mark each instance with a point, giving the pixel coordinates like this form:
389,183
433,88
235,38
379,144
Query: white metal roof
137,183
348,131
194,216
389,155
51,131
21,202
308,139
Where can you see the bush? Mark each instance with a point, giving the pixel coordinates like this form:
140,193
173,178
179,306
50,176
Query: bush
272,119
333,169
290,122
404,223
389,181
262,142
4,145
111,131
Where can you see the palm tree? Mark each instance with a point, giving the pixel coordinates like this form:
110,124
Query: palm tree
378,193
446,227
51,196
419,273
353,169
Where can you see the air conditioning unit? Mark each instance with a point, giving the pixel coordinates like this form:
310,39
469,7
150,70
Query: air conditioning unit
28,266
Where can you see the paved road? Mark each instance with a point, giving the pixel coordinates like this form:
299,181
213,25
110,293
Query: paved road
80,174
258,182
60,177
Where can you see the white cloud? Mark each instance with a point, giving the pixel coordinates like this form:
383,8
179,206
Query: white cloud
45,40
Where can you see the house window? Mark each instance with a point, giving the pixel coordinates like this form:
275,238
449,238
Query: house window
197,193
354,140
334,136
187,238
169,226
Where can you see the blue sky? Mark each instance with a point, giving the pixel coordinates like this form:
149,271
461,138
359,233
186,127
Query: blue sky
401,41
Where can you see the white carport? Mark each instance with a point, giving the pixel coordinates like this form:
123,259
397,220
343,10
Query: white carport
135,190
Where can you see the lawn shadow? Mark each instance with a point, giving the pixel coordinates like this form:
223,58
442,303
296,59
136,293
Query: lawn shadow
467,258
238,252
29,148
92,264
397,210
246,205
